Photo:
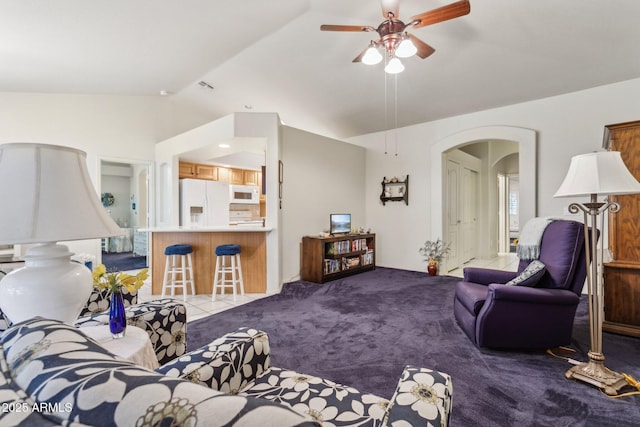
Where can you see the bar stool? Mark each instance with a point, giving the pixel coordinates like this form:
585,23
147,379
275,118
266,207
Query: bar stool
227,262
184,268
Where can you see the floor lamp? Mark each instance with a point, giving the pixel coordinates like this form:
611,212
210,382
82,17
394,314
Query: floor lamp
601,173
47,196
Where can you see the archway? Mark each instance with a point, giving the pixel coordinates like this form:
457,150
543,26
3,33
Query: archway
526,140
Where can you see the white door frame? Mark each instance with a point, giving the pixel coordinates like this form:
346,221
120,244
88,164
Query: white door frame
150,192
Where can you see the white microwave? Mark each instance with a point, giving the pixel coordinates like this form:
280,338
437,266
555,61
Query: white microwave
247,194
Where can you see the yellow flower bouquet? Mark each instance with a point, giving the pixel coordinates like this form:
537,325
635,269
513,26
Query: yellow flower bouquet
117,280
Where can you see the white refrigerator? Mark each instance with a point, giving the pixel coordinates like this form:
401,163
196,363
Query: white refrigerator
203,203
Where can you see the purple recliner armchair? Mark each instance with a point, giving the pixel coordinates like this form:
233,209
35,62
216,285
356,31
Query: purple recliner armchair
499,316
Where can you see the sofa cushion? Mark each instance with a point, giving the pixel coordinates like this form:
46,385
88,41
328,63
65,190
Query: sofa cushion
324,400
530,276
56,365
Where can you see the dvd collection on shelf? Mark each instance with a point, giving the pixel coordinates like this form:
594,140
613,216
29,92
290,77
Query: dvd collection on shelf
333,265
346,246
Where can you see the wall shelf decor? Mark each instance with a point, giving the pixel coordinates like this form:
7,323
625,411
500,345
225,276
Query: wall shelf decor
395,190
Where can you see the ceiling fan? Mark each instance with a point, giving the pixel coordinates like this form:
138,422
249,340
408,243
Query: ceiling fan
395,39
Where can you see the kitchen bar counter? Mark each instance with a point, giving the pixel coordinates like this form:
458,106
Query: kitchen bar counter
204,240
223,228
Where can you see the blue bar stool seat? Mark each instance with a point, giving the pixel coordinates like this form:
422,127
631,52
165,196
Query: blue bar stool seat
178,262
227,262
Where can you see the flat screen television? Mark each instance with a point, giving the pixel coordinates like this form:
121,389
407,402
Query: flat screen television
340,223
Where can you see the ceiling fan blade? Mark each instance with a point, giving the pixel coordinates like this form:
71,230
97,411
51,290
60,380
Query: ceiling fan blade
355,28
390,6
359,57
440,14
424,49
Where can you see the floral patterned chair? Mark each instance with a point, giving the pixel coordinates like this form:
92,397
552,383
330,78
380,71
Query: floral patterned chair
51,374
164,320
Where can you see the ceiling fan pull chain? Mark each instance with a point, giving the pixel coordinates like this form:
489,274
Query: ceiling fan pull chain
395,135
386,109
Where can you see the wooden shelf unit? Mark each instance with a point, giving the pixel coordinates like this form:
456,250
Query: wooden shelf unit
330,258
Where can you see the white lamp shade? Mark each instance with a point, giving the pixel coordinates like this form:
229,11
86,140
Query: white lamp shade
601,172
47,196
394,66
405,49
372,56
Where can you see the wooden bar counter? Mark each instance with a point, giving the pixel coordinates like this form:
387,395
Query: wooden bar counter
204,240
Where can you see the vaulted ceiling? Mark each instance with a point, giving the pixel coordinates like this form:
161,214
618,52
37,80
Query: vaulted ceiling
271,55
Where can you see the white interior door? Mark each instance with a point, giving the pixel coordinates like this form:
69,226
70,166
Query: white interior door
503,226
453,214
461,210
469,203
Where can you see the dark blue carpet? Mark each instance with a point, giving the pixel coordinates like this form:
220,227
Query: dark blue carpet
362,330
123,261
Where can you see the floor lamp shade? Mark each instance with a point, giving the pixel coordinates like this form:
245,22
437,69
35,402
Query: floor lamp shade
593,174
47,197
601,172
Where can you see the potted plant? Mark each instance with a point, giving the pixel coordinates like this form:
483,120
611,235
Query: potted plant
433,252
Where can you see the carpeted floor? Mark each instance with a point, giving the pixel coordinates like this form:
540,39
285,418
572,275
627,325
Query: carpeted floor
363,329
123,261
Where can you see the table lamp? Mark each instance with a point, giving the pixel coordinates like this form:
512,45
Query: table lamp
47,196
594,174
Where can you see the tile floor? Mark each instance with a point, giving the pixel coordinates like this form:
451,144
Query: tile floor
508,262
200,306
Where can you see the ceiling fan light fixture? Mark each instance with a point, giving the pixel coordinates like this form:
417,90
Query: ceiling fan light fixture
372,56
394,66
406,48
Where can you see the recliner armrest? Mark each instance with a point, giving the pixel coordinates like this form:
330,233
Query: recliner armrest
499,292
422,397
227,364
485,276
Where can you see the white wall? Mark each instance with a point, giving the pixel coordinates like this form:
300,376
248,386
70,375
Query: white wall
321,176
103,126
128,127
120,187
565,126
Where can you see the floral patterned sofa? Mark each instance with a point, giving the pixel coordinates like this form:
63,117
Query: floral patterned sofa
164,320
51,374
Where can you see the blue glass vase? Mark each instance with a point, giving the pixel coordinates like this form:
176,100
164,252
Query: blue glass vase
117,316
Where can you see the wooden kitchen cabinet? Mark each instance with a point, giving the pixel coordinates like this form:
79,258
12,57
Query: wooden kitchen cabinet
622,274
186,170
223,174
219,173
236,176
250,177
206,172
